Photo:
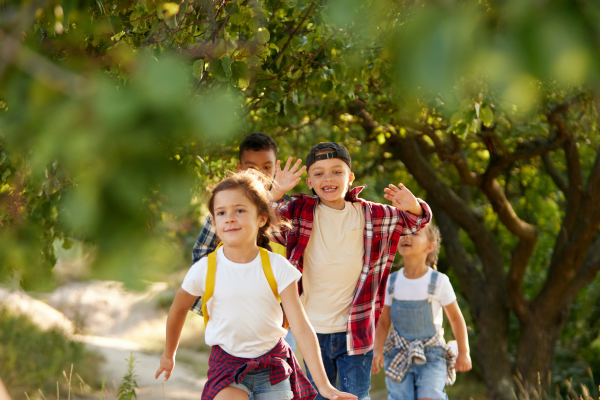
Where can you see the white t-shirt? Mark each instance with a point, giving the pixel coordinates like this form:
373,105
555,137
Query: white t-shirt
333,262
416,289
245,317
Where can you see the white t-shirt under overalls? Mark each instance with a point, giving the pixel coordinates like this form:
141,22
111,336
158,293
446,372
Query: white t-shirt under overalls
416,289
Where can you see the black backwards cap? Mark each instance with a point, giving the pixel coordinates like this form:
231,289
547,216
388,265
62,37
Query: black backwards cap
337,151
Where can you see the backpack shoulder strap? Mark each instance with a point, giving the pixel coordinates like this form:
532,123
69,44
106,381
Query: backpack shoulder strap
266,265
209,286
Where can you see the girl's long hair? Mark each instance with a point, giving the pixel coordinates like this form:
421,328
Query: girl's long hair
254,186
433,234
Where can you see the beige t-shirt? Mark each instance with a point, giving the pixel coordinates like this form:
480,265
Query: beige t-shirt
333,262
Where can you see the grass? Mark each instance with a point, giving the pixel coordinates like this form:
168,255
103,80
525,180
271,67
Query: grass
33,360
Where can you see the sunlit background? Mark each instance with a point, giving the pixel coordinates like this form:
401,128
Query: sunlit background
116,117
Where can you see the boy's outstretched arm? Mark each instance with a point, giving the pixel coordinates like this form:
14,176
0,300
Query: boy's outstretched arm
383,329
459,329
286,179
181,304
403,199
308,343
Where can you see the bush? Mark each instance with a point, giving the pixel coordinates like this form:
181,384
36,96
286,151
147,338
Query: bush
32,359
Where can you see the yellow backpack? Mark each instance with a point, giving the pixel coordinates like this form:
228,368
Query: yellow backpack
210,281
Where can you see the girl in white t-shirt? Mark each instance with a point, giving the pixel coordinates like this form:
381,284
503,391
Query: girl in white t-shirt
244,328
418,362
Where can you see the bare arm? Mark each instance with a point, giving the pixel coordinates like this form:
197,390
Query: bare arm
179,309
459,329
383,329
308,343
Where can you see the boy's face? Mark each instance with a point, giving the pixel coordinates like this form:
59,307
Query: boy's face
330,179
261,160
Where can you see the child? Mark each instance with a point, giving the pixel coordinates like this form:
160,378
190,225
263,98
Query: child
344,247
243,314
257,151
418,361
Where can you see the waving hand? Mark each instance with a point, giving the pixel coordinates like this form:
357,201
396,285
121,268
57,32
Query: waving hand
286,178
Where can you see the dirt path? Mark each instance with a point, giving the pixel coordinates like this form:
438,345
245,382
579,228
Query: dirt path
184,383
116,323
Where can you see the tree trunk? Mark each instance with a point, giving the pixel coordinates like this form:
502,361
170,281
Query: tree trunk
488,309
535,350
492,352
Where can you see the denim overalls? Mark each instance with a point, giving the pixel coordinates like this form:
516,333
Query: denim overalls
414,321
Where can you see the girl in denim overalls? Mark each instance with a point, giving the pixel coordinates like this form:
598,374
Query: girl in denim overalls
418,362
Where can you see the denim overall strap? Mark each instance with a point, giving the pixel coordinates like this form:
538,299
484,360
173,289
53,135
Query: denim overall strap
392,285
413,319
432,285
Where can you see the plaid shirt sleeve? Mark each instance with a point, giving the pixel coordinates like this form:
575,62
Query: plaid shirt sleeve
205,244
279,235
207,240
411,223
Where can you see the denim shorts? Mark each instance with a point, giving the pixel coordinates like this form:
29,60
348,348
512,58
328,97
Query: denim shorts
258,385
421,380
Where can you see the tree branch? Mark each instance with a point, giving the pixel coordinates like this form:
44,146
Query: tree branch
554,173
407,150
285,46
589,270
470,278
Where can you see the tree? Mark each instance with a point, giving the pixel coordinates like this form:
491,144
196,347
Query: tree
117,112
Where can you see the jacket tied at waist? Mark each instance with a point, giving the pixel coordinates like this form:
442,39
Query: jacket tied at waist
415,351
225,369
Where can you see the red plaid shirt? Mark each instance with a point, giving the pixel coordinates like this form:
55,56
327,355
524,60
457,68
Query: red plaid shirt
383,227
224,369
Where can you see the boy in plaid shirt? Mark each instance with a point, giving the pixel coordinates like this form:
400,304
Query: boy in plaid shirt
344,246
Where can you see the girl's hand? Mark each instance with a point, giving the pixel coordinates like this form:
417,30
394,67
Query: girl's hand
166,365
403,199
329,392
463,362
377,363
286,178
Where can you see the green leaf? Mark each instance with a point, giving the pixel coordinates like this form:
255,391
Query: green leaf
456,118
262,35
67,244
236,19
240,73
487,116
326,86
220,69
198,68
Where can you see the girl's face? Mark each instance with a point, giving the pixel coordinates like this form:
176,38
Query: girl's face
236,218
415,245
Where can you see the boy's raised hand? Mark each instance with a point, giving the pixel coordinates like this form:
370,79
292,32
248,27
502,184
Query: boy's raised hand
286,178
403,199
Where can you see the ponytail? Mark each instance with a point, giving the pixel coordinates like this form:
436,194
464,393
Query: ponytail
262,240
